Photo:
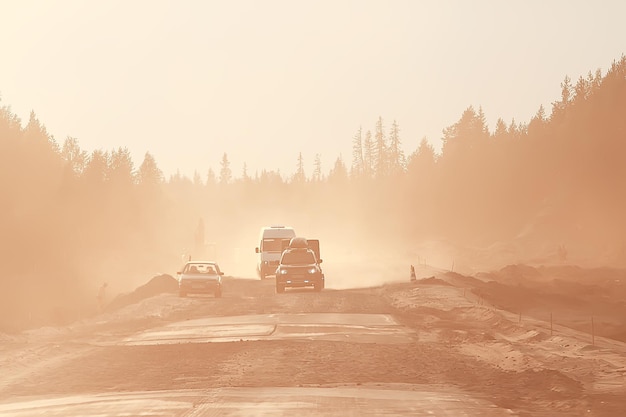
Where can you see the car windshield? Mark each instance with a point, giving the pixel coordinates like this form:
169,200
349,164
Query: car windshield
303,257
200,268
272,245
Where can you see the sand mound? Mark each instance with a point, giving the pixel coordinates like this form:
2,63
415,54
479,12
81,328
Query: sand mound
572,295
157,285
432,281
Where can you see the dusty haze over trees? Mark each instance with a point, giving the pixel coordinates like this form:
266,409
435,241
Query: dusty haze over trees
71,220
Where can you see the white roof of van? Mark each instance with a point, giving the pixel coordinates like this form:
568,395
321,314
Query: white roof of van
277,231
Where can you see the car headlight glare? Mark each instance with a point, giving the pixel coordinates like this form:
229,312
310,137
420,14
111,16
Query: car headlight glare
312,270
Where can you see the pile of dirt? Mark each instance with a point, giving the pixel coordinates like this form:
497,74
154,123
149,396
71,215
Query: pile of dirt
432,281
571,294
462,281
159,284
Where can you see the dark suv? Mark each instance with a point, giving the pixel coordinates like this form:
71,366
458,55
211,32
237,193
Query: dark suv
300,266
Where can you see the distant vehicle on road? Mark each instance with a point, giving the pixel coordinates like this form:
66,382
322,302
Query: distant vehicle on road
300,265
200,277
270,247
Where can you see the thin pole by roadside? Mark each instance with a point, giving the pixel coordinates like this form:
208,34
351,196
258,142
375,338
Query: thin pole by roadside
593,333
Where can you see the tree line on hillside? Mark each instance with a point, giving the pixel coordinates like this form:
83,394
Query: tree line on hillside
72,219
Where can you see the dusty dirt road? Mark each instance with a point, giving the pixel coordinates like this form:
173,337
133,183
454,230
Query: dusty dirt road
457,344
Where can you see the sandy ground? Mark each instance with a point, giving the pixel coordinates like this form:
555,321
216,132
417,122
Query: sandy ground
489,335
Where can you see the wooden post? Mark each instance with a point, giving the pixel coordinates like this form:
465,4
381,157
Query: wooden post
593,333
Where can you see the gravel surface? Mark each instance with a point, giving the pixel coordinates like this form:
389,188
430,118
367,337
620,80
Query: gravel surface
464,338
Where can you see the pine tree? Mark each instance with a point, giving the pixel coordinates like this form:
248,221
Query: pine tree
397,161
500,130
422,161
558,107
582,89
73,155
421,166
211,179
197,179
537,121
381,163
566,91
368,155
244,173
149,173
300,175
121,167
465,136
357,154
95,172
514,129
481,130
37,136
317,168
225,171
339,173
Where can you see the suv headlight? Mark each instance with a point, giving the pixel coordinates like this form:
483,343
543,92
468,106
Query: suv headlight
312,270
282,271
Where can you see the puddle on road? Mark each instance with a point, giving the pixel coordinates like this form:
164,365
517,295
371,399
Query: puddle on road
275,401
359,328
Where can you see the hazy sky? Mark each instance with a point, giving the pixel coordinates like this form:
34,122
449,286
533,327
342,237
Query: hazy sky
264,80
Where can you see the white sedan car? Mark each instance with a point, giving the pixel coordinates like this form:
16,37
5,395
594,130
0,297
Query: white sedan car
200,277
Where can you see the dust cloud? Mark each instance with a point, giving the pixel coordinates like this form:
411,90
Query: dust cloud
546,192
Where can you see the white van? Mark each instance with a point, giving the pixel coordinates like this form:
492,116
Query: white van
270,248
